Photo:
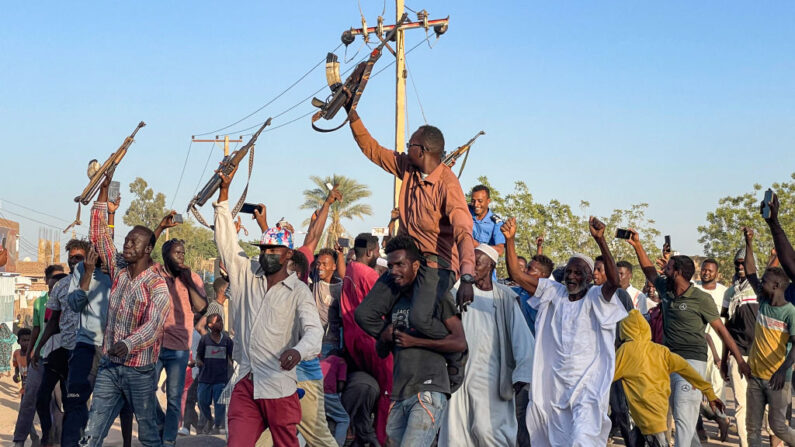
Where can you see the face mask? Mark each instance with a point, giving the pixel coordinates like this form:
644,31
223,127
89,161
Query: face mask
270,263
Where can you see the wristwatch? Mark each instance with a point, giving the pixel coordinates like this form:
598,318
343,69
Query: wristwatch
467,278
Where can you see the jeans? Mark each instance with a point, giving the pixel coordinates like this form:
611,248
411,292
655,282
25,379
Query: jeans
116,385
686,404
56,369
414,422
336,412
758,395
27,408
208,393
83,363
175,363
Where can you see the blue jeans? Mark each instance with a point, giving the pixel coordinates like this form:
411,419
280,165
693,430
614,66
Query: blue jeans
209,393
336,412
116,385
414,422
79,384
686,405
175,363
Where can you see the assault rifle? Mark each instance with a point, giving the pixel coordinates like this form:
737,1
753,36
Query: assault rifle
451,158
228,164
353,87
97,173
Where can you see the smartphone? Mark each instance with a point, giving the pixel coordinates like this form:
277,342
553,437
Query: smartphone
766,203
344,242
329,186
177,218
623,234
113,191
248,208
668,242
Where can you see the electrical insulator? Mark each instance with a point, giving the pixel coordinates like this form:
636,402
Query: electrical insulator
347,38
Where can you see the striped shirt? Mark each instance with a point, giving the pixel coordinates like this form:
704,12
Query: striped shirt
137,307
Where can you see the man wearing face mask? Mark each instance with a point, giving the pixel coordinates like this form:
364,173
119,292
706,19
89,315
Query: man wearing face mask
188,302
276,325
686,313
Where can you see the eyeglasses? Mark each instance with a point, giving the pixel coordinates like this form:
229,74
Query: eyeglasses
409,145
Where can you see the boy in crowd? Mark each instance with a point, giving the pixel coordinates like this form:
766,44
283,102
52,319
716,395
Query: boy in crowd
214,359
20,361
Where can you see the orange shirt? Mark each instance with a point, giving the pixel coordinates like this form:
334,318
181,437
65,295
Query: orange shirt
433,210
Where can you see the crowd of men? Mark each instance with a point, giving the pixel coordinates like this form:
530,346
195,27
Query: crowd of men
408,341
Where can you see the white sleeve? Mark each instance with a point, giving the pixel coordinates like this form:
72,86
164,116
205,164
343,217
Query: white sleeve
522,343
234,258
608,313
311,329
546,292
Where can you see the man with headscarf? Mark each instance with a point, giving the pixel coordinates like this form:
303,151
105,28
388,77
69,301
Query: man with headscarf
574,356
500,363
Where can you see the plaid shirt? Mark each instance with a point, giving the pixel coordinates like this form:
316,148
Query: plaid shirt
137,307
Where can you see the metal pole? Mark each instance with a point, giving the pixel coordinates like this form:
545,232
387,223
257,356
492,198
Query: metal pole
400,93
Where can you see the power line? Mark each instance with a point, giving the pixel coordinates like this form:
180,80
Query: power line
272,100
181,174
31,219
35,211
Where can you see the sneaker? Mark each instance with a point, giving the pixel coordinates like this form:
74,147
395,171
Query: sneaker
215,431
184,431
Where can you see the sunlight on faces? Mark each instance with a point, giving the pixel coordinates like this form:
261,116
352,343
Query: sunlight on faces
402,269
624,277
709,272
483,266
480,202
599,276
326,267
576,276
136,245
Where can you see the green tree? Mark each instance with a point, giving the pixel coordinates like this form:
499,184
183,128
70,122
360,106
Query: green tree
563,230
722,235
348,208
148,207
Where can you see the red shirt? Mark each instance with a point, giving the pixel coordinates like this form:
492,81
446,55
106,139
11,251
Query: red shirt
334,370
358,281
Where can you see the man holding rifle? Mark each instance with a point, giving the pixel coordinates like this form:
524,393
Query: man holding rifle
276,325
138,306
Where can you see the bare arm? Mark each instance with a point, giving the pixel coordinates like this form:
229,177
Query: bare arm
165,223
455,341
728,341
597,229
643,259
784,250
525,281
779,377
317,225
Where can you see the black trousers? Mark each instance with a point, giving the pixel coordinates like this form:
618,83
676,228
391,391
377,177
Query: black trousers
56,370
619,412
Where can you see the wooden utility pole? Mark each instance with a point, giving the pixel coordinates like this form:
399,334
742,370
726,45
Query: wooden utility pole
226,142
439,26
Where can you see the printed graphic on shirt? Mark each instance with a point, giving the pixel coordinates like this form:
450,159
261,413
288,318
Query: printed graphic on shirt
215,352
774,325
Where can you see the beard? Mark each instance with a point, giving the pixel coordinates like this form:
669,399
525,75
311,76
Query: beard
670,283
270,263
173,266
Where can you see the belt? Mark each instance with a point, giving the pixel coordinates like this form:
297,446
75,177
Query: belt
435,259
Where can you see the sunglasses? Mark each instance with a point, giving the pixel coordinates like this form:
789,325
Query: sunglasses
409,145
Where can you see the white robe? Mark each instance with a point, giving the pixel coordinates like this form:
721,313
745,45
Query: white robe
476,415
573,367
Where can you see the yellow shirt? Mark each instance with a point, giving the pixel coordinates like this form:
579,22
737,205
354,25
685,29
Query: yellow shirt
645,367
774,326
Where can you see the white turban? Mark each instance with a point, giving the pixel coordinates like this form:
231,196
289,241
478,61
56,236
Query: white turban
489,251
583,257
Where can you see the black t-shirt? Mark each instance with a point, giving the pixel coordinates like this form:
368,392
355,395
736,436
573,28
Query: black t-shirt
742,322
418,369
216,357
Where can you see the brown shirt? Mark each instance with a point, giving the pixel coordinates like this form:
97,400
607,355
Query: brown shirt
433,210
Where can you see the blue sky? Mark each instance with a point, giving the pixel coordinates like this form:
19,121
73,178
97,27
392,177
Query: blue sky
676,104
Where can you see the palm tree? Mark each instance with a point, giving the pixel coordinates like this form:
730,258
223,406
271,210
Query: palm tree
351,191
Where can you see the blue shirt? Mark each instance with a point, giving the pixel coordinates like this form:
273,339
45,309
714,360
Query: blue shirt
485,231
309,370
92,305
528,312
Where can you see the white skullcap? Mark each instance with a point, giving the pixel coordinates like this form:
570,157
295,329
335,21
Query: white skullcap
382,262
489,251
583,257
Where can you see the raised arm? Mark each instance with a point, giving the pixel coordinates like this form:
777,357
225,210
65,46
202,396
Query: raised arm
597,229
233,257
643,259
750,261
81,281
784,251
519,276
99,231
166,223
389,161
315,230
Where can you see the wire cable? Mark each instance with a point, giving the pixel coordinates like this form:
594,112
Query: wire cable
36,211
272,100
416,93
181,174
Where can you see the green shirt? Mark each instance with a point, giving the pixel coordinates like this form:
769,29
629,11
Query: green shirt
774,326
39,309
685,319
